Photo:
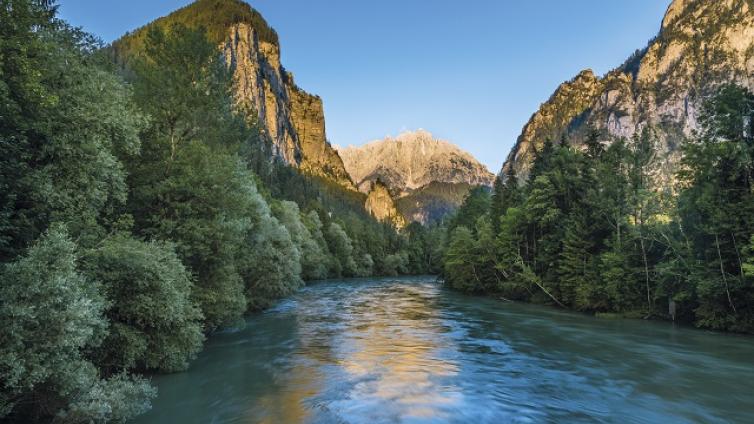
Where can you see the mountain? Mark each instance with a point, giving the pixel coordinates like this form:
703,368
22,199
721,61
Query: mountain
410,161
425,177
701,45
291,119
382,206
432,202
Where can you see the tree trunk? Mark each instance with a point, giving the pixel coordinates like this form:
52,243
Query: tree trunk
530,275
646,272
738,255
722,272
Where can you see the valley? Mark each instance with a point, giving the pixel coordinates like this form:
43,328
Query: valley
180,241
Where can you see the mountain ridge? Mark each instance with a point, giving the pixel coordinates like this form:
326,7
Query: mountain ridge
426,177
700,46
410,161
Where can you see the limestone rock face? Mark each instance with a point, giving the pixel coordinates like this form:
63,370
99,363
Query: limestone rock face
425,177
410,161
701,46
293,120
551,121
381,205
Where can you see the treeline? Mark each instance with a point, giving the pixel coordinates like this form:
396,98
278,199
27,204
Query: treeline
134,219
590,231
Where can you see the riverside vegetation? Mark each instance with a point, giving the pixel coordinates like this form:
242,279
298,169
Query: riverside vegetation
590,231
138,214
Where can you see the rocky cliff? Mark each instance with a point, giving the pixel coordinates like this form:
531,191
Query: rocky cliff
701,45
410,161
425,177
432,202
291,119
382,206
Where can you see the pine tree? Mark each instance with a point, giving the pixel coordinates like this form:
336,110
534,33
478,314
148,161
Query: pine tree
575,264
717,209
459,269
505,194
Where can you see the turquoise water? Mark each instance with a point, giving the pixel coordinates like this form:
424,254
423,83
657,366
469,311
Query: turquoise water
408,351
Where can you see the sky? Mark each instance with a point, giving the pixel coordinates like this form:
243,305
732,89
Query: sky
470,72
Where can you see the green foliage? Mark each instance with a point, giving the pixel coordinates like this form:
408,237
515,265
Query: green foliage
591,231
505,194
51,315
271,268
476,204
575,267
205,205
214,16
395,264
65,122
425,248
459,261
154,324
191,188
182,83
157,186
717,210
470,260
313,254
342,249
116,399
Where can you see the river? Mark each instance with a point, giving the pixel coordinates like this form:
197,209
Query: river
408,351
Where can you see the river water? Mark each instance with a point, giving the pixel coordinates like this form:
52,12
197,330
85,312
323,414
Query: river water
408,351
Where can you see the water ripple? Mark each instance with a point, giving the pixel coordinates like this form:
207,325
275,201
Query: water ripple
407,351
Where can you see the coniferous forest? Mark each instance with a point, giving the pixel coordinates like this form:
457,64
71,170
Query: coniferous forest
589,230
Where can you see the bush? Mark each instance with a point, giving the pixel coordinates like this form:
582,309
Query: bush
49,317
154,323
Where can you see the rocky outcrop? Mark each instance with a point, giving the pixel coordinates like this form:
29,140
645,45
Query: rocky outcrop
410,161
381,205
427,178
570,101
433,202
290,119
701,45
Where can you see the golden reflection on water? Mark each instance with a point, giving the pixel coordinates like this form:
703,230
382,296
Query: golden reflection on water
288,405
391,345
382,346
380,351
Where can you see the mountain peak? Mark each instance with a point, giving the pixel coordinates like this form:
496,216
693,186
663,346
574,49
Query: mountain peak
217,17
675,9
701,46
412,160
413,136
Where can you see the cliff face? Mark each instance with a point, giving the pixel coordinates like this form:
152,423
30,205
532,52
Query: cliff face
426,178
552,120
410,161
381,205
701,46
432,202
292,119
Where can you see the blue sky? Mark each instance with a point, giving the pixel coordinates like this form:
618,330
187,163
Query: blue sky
470,72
